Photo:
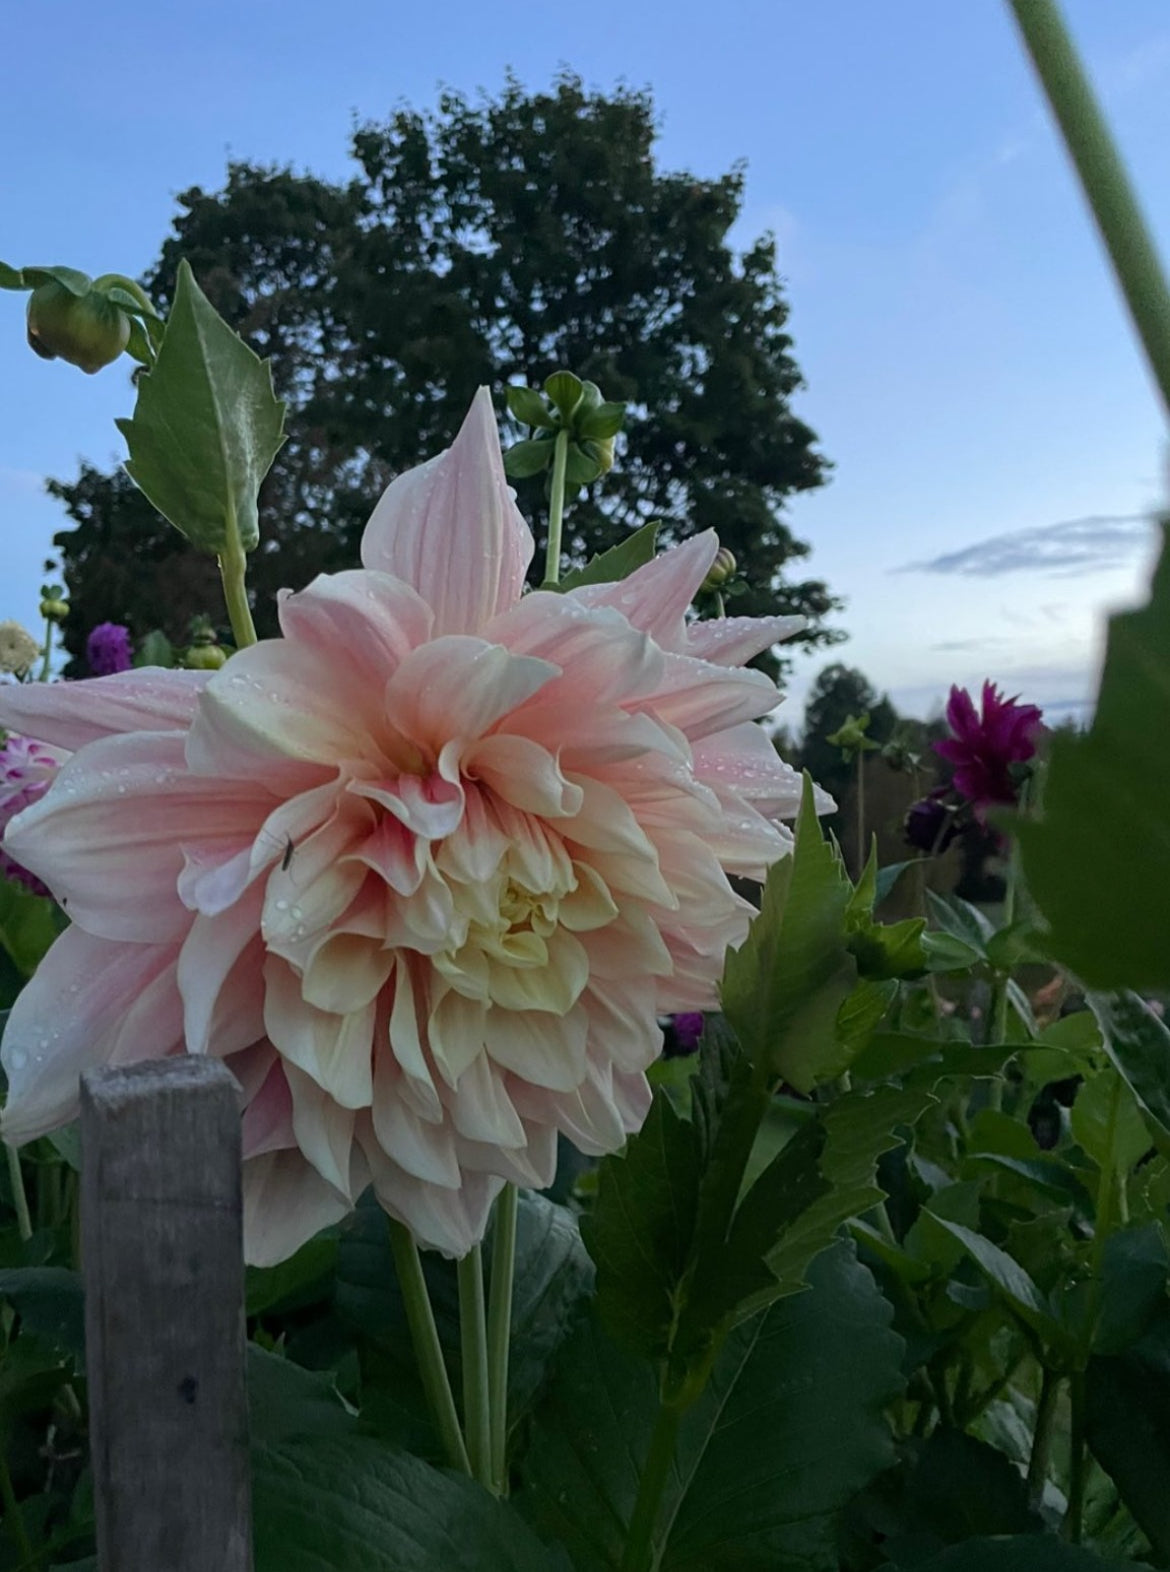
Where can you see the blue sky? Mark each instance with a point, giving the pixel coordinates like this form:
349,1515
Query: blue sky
970,371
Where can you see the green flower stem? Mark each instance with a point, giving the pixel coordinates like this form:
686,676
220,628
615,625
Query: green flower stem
45,664
556,509
641,1553
425,1337
14,1518
1103,177
1042,1432
19,1198
860,812
1079,1465
998,1013
233,570
499,1331
477,1415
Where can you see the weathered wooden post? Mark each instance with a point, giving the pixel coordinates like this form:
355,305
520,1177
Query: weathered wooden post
164,1317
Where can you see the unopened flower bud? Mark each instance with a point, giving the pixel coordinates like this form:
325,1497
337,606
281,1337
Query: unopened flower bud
54,609
204,657
88,331
722,569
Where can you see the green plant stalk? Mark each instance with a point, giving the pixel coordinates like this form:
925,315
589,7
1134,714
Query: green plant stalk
499,1332
233,570
1074,1517
1103,177
425,1338
556,509
860,812
45,663
641,1554
1042,1433
477,1414
13,1515
19,1197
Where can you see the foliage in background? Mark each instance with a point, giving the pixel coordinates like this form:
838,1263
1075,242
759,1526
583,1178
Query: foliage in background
486,242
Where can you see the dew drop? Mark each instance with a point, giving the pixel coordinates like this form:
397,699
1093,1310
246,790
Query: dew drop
17,1058
282,906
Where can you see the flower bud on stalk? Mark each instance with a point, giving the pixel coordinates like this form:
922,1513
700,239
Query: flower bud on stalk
88,330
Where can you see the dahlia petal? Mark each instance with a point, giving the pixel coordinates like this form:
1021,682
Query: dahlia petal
220,978
91,1002
452,530
730,641
423,1148
480,1107
428,806
523,774
70,714
655,597
534,1164
700,698
451,1221
552,988
272,712
335,1049
368,620
286,1202
108,835
323,1129
542,1049
455,1030
268,1117
456,688
404,1043
600,658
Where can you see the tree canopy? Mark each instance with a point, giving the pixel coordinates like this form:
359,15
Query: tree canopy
485,242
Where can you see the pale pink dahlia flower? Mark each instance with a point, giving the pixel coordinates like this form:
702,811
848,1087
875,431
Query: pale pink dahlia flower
423,871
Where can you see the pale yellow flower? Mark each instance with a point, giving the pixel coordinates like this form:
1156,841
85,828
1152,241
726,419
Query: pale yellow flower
18,648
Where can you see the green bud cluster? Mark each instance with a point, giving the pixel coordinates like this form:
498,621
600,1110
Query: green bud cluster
54,606
851,738
567,405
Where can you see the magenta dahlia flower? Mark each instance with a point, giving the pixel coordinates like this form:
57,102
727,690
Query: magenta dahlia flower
423,871
26,770
985,744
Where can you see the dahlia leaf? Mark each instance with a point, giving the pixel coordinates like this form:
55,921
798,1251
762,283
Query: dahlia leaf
783,988
1021,1553
351,1504
1097,861
609,567
1138,1043
788,1430
206,427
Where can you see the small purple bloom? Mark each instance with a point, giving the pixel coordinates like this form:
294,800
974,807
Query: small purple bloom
684,1034
107,649
929,824
983,746
26,771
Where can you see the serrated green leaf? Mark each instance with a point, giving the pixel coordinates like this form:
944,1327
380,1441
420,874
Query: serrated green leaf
1106,897
1010,1278
946,952
1077,1034
1107,1122
12,277
75,282
884,950
782,989
1017,945
286,1401
527,458
641,1229
1138,1043
610,567
1134,1271
961,920
789,1429
206,426
924,1061
351,1504
862,1011
888,876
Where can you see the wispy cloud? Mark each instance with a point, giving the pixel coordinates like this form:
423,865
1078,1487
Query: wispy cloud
1064,550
